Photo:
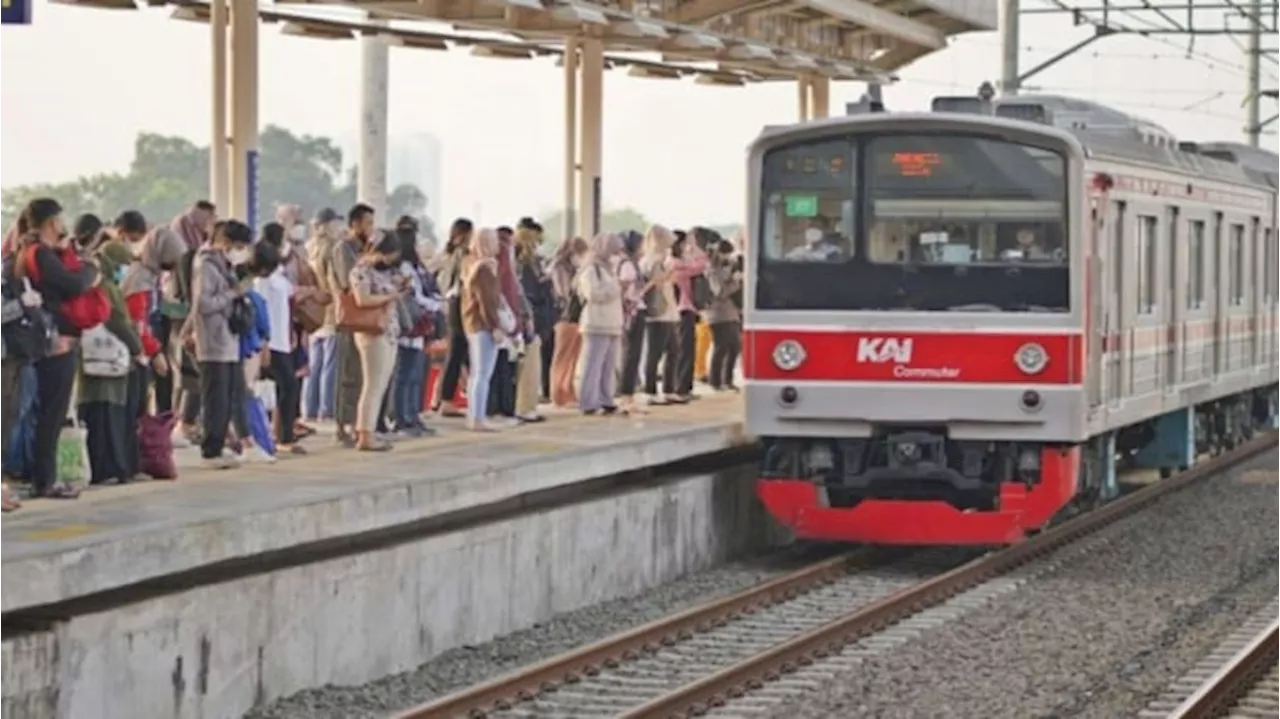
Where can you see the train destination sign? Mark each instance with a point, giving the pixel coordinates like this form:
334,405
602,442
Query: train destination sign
916,164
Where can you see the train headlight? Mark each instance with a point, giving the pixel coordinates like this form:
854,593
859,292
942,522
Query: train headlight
1031,358
788,355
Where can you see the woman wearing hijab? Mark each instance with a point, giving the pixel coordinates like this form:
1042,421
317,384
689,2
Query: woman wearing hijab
322,356
633,318
502,387
568,341
662,316
482,320
154,253
601,324
104,401
536,288
194,227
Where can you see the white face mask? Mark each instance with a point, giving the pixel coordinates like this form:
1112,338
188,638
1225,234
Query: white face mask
286,250
136,248
298,233
239,255
813,235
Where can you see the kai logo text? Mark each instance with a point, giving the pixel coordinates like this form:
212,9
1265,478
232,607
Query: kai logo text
879,350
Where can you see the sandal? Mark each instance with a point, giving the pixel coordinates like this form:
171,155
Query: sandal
58,490
375,446
8,501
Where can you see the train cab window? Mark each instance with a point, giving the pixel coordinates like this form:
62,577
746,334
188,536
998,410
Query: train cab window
1195,265
960,201
1235,266
1148,257
808,203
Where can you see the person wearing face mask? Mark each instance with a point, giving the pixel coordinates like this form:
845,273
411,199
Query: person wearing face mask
42,239
320,383
216,296
373,283
103,402
360,229
569,305
193,226
818,246
155,253
88,234
662,316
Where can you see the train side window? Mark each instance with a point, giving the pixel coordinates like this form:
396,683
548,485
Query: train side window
1148,258
1269,262
1195,266
1235,266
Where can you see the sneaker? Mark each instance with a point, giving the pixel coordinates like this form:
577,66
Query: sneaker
223,462
258,454
179,438
229,453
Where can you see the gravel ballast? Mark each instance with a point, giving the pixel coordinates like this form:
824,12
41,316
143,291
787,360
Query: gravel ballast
465,666
1101,635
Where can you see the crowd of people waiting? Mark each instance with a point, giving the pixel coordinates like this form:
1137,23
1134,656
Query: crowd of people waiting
198,330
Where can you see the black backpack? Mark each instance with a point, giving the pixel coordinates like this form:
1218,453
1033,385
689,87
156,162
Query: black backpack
700,288
29,332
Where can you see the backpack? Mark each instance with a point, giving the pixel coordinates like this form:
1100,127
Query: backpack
29,332
82,311
102,354
700,288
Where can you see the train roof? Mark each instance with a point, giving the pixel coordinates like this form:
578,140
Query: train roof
1108,132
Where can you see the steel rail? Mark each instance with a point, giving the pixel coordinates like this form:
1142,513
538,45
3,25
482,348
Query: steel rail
1215,697
526,684
715,690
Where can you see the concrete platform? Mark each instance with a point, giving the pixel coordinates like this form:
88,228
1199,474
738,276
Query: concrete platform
57,551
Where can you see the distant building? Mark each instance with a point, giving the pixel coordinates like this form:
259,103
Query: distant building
416,159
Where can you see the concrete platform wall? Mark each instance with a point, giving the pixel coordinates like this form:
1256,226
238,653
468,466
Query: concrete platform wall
215,652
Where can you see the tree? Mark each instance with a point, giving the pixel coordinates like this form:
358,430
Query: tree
619,220
168,173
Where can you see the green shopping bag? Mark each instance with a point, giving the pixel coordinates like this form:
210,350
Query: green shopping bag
73,458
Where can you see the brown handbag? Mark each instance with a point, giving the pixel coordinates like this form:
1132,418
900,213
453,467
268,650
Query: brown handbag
309,314
364,320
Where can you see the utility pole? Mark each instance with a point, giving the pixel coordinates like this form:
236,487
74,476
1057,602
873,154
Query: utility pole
1253,100
1009,80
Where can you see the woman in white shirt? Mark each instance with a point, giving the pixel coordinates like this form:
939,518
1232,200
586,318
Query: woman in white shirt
276,290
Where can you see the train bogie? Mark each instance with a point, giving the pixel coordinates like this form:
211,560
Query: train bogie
962,327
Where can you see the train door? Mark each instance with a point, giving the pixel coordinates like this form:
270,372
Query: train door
1254,296
1173,307
1115,311
1096,281
1218,291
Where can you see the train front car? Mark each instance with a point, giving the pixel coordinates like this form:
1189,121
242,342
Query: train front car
914,331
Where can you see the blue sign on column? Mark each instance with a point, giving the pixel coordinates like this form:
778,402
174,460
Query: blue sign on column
251,189
16,12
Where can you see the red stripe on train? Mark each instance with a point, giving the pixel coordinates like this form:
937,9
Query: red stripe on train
946,357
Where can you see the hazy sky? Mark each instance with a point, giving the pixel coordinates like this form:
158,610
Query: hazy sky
79,84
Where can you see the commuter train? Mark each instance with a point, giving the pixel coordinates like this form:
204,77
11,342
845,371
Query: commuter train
959,323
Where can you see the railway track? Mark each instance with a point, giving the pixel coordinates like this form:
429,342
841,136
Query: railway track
1238,680
726,657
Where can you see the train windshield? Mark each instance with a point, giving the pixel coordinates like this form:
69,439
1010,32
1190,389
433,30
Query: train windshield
937,222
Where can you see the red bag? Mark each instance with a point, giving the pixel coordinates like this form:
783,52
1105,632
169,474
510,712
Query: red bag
83,311
155,446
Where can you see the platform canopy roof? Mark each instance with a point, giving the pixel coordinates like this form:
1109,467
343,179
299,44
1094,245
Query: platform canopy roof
719,42
741,40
